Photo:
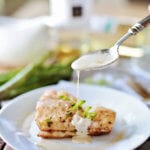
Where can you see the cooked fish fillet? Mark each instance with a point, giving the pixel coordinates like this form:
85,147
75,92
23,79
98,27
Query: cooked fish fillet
54,118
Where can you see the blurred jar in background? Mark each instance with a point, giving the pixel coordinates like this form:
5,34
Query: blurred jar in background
71,13
72,19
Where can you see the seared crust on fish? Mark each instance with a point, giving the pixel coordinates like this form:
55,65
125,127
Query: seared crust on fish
56,134
54,116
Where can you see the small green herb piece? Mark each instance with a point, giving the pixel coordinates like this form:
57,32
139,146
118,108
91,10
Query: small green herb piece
64,97
77,105
69,113
87,114
47,122
91,115
86,111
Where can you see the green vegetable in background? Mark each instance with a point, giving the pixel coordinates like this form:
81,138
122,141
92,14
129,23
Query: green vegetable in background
47,70
4,77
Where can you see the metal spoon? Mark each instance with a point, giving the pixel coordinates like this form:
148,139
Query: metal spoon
104,57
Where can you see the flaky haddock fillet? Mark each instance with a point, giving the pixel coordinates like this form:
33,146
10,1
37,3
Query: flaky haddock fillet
53,116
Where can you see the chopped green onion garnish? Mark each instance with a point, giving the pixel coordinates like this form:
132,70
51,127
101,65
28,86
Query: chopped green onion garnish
87,114
47,122
64,97
86,110
91,115
78,105
69,113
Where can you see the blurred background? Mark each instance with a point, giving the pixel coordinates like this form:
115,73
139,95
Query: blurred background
64,30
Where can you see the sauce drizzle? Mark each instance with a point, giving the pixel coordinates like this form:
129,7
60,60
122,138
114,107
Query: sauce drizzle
78,83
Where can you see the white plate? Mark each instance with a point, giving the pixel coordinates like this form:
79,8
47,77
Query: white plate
132,126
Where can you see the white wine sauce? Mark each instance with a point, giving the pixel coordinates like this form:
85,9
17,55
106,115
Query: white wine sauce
95,60
78,84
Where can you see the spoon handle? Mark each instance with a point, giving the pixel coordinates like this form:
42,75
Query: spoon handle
134,29
139,25
144,22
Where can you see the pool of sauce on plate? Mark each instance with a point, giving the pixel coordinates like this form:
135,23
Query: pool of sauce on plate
118,137
82,139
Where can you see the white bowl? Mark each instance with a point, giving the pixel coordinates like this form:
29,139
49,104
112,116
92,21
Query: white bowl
22,40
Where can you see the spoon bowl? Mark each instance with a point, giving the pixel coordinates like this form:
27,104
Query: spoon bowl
97,59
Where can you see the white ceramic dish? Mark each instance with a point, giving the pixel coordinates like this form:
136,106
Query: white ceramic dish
24,39
132,126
